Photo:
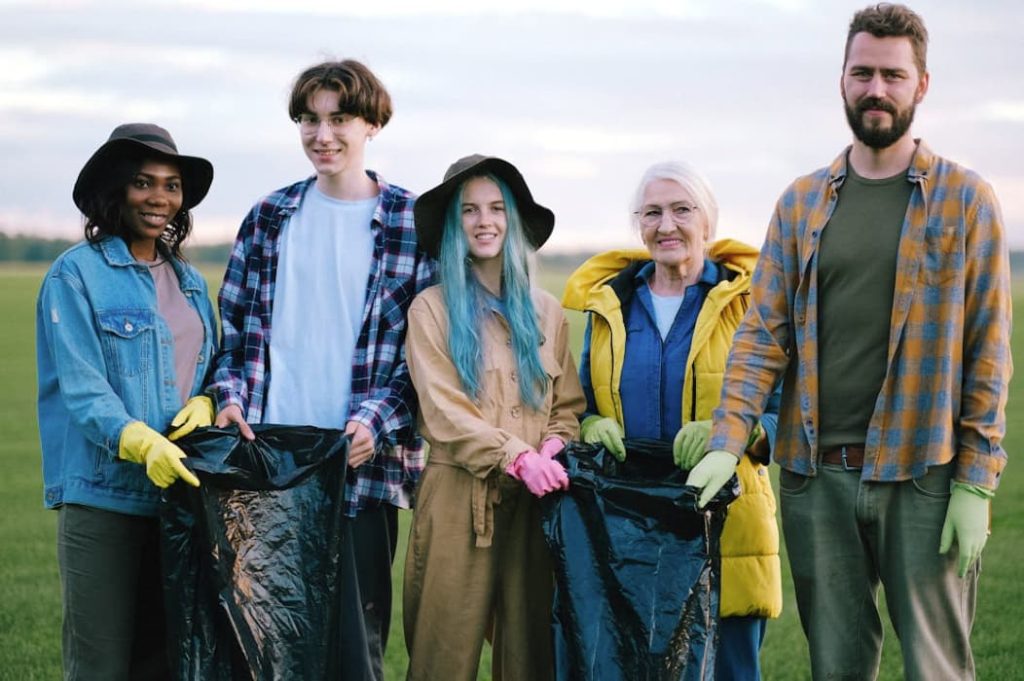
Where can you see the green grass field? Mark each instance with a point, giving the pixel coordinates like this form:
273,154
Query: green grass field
30,592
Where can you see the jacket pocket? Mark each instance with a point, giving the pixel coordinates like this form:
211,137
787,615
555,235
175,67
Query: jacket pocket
127,336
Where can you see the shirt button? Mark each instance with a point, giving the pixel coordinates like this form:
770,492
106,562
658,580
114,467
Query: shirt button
199,359
508,342
513,376
515,412
128,327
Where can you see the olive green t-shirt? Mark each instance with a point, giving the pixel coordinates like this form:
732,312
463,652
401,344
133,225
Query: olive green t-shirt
856,276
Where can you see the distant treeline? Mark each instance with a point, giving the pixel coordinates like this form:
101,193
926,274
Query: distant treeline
21,248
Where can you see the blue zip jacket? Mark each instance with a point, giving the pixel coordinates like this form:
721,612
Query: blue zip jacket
105,358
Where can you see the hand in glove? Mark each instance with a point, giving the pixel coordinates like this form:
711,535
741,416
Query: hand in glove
551,447
197,413
967,522
606,431
539,473
141,444
688,446
711,474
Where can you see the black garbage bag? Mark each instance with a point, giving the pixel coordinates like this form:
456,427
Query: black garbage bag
259,574
637,567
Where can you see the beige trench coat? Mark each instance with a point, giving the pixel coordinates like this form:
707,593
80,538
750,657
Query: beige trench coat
477,562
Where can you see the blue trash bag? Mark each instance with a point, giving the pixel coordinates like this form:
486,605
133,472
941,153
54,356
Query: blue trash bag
637,567
259,573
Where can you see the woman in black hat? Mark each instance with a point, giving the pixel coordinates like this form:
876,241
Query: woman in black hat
125,331
499,397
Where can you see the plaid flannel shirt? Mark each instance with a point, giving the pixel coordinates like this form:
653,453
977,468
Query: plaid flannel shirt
383,398
949,365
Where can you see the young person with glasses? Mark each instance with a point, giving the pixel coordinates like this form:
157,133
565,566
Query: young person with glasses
313,310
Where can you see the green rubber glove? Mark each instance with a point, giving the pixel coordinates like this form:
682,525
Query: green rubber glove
197,413
606,431
967,522
711,474
688,446
141,444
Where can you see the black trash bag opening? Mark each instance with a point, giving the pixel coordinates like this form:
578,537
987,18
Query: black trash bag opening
637,566
258,562
279,458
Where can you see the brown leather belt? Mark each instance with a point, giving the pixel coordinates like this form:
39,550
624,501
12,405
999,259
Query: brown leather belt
850,457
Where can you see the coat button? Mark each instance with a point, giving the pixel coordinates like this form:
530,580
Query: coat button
513,376
515,412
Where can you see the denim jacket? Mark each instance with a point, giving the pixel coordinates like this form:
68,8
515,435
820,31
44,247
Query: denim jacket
105,358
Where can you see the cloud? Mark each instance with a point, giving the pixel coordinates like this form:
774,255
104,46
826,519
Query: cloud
599,141
406,8
19,67
581,95
85,104
1003,111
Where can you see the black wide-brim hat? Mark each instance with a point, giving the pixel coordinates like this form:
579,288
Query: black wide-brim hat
142,140
430,208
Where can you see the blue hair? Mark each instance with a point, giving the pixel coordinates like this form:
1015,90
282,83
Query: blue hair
465,299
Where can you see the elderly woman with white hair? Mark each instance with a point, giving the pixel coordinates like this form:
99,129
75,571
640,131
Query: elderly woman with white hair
660,324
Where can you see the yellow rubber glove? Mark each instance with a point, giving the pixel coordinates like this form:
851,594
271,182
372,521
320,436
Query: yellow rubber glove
197,413
605,431
688,445
711,474
141,444
967,522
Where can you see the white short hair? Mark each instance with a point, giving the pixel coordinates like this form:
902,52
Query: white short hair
689,179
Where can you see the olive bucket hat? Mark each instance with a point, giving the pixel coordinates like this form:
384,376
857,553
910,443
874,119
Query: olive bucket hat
430,207
143,140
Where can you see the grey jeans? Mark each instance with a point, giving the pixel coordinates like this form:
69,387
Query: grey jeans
845,536
112,594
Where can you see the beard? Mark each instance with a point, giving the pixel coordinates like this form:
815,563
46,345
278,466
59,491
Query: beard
876,136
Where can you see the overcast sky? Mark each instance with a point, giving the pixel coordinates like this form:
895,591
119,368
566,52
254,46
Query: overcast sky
581,95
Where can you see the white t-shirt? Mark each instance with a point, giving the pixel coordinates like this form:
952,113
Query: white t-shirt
323,267
665,310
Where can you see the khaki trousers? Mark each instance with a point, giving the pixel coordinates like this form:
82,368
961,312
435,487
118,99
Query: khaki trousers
456,592
845,536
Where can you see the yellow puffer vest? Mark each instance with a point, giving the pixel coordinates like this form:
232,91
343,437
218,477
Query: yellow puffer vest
751,573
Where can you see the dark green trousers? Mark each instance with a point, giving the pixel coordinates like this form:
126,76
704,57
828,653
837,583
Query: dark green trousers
112,595
845,537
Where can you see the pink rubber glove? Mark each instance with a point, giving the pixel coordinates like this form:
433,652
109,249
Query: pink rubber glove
551,447
539,473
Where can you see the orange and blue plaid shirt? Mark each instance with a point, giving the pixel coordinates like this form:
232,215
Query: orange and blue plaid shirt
383,398
944,394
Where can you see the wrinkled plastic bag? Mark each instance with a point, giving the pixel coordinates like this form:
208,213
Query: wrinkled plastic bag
637,567
259,573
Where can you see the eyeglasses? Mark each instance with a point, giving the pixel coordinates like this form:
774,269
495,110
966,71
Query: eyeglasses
651,216
309,123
